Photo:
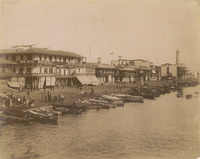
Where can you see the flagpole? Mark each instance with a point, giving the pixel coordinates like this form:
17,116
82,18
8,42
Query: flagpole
90,54
112,57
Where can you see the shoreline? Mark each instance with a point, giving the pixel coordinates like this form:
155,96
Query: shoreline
74,94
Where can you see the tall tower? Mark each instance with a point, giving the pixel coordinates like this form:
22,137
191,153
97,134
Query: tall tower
177,57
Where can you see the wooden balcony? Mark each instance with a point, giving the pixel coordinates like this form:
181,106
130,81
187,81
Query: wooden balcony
35,62
128,74
106,74
28,74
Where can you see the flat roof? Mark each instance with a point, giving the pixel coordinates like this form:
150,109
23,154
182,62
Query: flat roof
97,65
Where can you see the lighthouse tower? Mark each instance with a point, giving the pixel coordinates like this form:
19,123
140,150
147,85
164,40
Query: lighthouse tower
177,57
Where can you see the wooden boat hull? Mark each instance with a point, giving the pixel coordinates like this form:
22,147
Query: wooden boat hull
133,101
69,111
148,97
15,115
12,119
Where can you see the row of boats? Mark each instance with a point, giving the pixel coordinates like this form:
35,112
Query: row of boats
153,91
50,114
21,114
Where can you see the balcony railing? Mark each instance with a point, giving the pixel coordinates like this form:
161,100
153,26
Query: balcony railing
34,74
28,62
106,73
22,73
128,74
35,62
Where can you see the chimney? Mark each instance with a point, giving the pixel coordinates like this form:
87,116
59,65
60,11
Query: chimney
99,60
83,60
177,57
120,60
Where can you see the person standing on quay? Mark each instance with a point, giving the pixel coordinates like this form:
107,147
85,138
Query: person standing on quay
28,93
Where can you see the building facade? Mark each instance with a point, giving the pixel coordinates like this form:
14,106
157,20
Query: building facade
133,70
128,74
6,69
182,72
39,67
104,72
155,73
168,70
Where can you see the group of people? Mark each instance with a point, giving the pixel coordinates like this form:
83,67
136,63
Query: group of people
12,100
49,98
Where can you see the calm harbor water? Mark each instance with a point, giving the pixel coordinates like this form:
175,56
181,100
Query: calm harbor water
165,128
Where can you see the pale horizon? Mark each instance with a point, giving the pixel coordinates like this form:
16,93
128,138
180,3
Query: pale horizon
151,30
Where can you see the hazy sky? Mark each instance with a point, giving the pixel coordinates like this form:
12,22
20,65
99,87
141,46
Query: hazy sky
145,29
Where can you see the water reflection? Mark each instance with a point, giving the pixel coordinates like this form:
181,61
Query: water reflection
165,128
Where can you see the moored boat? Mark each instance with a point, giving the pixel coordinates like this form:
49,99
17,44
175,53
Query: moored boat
148,96
22,114
102,103
179,95
68,110
113,100
129,98
6,118
43,116
188,96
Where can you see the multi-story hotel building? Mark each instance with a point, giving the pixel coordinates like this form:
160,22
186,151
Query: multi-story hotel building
40,67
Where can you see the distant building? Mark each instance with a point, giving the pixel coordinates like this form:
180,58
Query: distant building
155,72
133,70
196,74
177,57
183,72
129,62
169,70
178,70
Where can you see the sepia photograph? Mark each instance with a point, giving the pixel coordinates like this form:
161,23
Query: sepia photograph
99,79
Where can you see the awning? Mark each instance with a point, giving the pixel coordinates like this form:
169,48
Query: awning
84,80
13,84
5,89
94,80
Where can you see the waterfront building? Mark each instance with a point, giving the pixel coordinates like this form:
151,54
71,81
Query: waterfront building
168,71
196,75
104,72
139,68
178,70
155,72
86,76
40,67
128,74
183,72
6,69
